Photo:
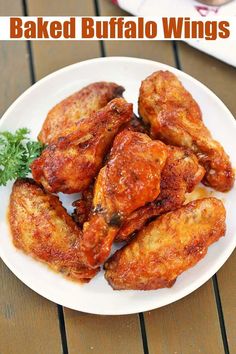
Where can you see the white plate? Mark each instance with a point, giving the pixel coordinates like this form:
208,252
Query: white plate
30,109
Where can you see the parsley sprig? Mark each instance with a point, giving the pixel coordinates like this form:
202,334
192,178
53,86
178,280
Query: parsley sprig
17,152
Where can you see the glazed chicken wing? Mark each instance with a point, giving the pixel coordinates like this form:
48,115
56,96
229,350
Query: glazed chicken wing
180,175
175,118
167,247
70,164
129,180
63,118
41,227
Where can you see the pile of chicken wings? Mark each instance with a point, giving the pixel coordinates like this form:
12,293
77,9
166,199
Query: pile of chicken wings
132,174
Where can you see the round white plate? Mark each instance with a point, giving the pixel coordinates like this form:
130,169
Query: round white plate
97,297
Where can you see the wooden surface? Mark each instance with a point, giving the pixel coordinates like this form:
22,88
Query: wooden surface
203,322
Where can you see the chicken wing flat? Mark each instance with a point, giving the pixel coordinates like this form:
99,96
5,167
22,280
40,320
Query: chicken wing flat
167,247
70,164
181,174
129,180
175,118
63,118
42,228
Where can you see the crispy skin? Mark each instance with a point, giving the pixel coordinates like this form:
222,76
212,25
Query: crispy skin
63,118
129,180
70,165
175,118
41,227
167,247
180,175
83,206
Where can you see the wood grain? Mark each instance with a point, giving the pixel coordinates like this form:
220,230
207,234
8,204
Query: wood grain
28,323
188,326
85,333
103,334
221,79
182,327
49,56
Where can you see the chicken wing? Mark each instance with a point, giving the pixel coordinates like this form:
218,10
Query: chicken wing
70,164
41,227
180,175
175,118
63,118
129,180
167,247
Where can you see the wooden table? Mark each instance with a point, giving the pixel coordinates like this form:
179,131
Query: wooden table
203,322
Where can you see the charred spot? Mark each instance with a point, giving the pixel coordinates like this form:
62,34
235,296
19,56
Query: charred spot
118,92
115,220
160,202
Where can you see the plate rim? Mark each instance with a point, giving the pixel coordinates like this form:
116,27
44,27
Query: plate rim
200,280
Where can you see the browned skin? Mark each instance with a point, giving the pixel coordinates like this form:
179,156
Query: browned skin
181,174
42,228
70,164
167,247
129,180
63,118
83,206
175,118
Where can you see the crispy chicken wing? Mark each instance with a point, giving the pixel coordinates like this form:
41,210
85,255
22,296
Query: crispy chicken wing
175,118
63,118
180,175
70,164
129,180
167,247
41,227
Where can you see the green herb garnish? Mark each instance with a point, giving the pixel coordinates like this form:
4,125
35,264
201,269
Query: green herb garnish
17,152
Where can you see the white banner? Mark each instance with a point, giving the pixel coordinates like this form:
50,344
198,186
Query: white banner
118,28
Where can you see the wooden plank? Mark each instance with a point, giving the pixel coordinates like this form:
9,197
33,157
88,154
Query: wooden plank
220,78
52,55
182,326
188,326
28,322
103,334
85,333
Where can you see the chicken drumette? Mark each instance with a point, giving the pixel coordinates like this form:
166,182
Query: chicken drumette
129,180
63,118
41,227
180,175
70,164
167,247
175,118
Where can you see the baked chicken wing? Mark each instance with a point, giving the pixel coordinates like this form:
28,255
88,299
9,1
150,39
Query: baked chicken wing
63,118
180,175
167,247
129,180
175,118
41,227
70,164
